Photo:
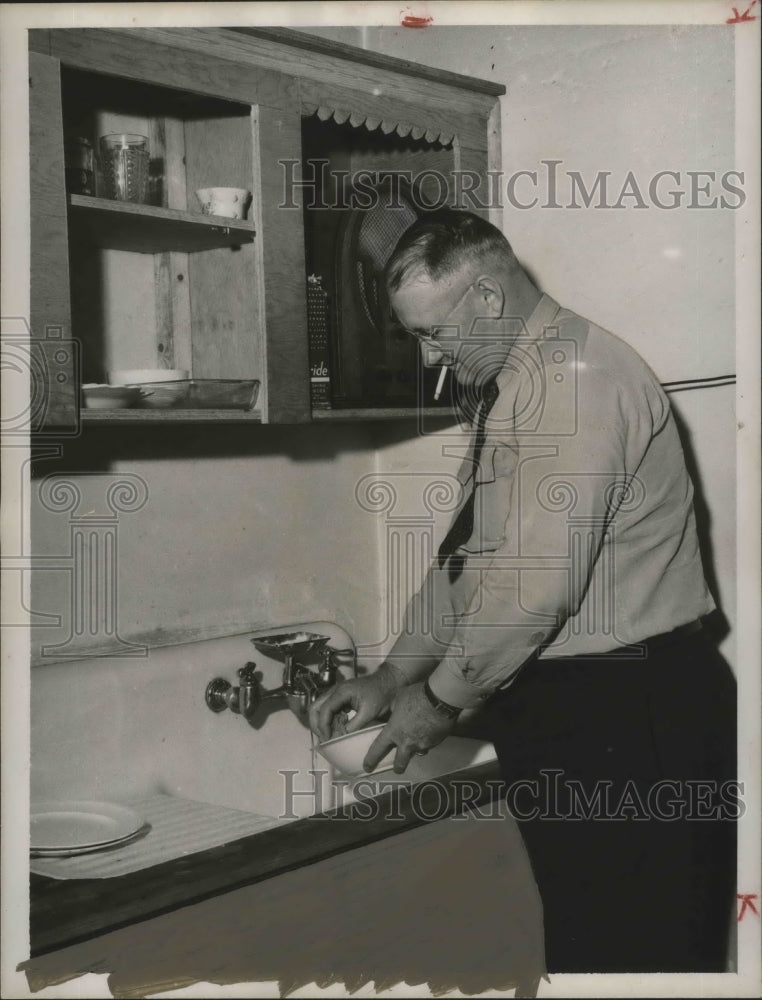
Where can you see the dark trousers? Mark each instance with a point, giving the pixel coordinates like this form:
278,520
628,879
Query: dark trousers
640,757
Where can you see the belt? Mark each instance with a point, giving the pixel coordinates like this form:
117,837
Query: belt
649,645
666,638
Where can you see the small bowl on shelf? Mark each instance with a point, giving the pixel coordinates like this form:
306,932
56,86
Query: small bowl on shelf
230,203
97,396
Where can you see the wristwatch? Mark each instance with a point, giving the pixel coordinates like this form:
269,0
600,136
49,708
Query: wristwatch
439,706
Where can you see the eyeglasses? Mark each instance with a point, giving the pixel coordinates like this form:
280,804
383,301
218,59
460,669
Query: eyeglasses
427,338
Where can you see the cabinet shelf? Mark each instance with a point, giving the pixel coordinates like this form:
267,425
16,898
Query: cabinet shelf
118,225
128,416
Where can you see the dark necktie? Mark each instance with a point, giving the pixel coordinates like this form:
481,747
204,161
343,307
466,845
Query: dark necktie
463,525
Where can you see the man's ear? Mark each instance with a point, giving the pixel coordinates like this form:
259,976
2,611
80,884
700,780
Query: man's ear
491,294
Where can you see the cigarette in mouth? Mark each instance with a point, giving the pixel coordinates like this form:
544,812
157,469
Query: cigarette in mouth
440,382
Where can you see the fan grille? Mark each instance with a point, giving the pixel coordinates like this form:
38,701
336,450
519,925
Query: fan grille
380,231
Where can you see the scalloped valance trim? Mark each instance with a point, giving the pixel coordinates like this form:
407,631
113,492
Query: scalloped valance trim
373,124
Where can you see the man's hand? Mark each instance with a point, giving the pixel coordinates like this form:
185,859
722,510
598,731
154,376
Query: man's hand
414,728
369,697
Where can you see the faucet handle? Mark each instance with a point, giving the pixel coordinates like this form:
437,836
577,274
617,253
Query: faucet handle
333,660
217,695
247,674
327,670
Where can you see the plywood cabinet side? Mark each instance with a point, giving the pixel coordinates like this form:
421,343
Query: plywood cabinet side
50,308
472,191
495,159
172,291
280,240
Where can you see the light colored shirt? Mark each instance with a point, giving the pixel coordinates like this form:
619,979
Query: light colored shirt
584,537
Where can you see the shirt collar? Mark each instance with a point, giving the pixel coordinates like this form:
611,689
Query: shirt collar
542,316
534,329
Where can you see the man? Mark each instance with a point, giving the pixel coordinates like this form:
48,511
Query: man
566,600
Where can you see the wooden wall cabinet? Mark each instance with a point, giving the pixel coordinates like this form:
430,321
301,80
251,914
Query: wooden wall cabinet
163,286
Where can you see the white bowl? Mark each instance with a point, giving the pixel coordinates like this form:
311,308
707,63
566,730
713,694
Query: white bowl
347,752
228,202
140,376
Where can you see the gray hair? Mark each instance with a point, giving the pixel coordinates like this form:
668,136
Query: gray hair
442,242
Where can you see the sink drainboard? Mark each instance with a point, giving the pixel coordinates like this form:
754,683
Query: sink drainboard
177,827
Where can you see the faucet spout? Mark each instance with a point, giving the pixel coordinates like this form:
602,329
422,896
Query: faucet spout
275,693
300,687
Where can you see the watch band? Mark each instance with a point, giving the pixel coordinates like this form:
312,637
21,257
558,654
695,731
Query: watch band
439,706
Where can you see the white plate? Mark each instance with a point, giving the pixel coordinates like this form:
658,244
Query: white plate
68,852
67,826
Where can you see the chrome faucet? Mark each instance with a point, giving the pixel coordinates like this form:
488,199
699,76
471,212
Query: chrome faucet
301,684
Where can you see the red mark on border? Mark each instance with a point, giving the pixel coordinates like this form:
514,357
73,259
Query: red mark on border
746,16
412,21
747,903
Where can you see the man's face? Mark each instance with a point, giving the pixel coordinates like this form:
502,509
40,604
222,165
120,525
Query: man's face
450,318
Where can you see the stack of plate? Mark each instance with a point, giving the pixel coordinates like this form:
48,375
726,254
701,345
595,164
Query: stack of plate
97,396
60,829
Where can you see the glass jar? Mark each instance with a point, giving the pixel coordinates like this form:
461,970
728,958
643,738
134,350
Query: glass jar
124,167
80,166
